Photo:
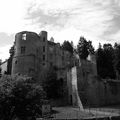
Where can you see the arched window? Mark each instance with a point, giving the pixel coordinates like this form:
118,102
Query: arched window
23,49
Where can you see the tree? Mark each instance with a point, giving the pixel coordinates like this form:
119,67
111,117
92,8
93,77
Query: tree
67,46
84,48
52,85
91,48
99,59
117,58
105,57
0,68
9,62
0,72
20,97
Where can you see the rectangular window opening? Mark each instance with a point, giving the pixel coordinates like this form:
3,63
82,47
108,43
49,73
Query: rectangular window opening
43,39
43,64
22,49
43,57
43,48
24,36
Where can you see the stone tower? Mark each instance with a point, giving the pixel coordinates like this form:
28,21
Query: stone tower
44,46
30,53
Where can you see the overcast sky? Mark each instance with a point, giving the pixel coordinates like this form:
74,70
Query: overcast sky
96,20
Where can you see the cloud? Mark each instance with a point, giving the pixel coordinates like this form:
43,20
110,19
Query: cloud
4,52
113,9
6,39
90,18
114,37
97,20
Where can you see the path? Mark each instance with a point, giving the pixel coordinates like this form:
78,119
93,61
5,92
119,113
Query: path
75,113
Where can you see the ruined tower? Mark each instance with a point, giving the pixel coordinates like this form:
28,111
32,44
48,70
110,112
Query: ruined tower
30,53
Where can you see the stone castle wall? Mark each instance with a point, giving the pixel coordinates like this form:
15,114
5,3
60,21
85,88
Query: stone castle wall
34,54
94,91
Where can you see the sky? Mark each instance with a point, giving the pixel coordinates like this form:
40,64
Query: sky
96,20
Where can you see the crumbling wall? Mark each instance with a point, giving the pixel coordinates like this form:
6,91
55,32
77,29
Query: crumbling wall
96,92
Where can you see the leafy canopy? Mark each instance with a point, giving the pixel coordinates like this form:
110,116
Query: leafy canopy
20,97
67,46
84,48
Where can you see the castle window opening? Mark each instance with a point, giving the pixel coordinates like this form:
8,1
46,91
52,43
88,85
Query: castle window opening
51,64
62,58
43,48
43,39
24,36
43,64
37,51
22,49
43,57
16,62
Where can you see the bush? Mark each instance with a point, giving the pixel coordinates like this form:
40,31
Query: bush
20,97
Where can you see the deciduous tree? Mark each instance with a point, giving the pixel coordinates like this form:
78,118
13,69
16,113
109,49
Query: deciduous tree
52,85
117,58
84,48
20,97
105,57
67,46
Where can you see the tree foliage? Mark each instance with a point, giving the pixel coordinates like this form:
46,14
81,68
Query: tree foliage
117,58
67,46
105,65
9,61
20,97
84,48
0,68
91,48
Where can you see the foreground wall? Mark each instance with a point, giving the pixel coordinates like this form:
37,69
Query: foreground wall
97,92
92,90
74,98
